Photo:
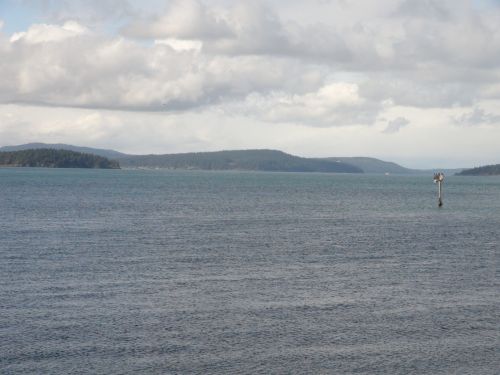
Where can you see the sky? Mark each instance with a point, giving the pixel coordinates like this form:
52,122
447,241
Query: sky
411,81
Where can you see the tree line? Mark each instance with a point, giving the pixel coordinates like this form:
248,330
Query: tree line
52,158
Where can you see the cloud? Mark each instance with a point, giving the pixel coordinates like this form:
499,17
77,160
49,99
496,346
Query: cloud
43,33
478,116
422,9
405,90
332,105
395,125
242,29
181,44
91,12
69,66
186,19
266,60
413,33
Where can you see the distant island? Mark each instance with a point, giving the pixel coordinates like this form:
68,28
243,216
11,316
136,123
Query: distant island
110,154
247,160
376,166
53,158
487,170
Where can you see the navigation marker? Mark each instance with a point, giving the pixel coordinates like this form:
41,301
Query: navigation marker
439,178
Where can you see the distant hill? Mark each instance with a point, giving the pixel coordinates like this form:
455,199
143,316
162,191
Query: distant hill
52,158
372,165
252,160
487,170
377,166
111,154
263,160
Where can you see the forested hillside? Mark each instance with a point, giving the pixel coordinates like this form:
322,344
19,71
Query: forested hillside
252,160
51,158
487,170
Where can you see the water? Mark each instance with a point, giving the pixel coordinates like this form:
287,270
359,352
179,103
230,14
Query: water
120,272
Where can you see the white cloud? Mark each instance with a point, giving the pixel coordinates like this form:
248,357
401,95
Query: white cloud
334,104
207,54
87,70
181,44
184,19
42,33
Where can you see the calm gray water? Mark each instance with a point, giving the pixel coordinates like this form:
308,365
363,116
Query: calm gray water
154,272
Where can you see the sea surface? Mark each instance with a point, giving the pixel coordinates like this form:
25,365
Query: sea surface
170,272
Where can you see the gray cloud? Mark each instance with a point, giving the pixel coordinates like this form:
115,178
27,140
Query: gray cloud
478,116
417,32
423,9
395,125
409,91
